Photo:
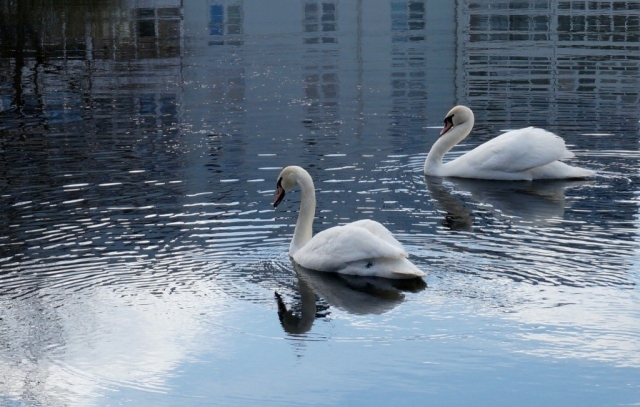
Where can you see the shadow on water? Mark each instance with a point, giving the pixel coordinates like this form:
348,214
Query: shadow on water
353,294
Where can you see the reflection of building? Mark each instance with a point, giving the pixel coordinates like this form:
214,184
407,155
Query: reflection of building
135,46
109,77
409,65
528,58
321,64
123,33
158,32
343,52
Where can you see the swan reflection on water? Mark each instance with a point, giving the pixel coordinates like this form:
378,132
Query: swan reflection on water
353,294
536,202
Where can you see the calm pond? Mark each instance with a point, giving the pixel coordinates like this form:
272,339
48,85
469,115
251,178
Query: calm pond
140,254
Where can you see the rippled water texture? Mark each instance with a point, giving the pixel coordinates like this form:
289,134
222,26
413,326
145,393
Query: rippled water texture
141,261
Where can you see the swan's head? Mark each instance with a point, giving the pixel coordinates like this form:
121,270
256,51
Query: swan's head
457,115
288,179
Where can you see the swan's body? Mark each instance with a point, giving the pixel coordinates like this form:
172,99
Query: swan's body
523,154
363,248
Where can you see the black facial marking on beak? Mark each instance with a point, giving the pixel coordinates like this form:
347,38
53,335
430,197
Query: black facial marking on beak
279,193
448,124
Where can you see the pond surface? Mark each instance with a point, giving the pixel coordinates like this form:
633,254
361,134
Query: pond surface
140,255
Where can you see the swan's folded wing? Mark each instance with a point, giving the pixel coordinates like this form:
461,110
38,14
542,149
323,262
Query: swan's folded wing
519,150
332,249
378,230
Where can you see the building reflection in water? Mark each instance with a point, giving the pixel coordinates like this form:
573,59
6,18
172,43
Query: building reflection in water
85,78
74,58
528,59
408,73
321,67
523,63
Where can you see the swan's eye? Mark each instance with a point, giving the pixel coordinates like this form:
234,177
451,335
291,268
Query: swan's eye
279,184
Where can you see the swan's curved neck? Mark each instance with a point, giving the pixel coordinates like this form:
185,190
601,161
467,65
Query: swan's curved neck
433,163
304,226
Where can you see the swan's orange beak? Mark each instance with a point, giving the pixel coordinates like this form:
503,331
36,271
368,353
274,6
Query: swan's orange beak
279,195
448,124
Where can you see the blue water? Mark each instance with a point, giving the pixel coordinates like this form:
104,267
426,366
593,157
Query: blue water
140,255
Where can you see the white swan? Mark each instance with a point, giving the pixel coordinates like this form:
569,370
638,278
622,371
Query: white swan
363,248
523,154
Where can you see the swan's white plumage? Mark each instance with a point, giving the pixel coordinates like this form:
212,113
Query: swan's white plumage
523,154
516,150
378,230
332,249
364,248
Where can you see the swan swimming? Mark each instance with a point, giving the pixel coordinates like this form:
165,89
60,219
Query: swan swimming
523,154
363,248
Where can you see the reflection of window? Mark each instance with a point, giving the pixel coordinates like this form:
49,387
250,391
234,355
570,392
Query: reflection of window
147,104
320,18
5,103
234,20
600,26
161,106
226,97
146,22
158,31
408,20
216,20
511,21
146,28
225,21
321,88
514,27
408,88
228,87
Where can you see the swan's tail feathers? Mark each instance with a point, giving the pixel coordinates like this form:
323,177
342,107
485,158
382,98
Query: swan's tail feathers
407,273
585,173
579,173
560,170
567,155
407,269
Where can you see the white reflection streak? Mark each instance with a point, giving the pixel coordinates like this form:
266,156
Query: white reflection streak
79,350
600,327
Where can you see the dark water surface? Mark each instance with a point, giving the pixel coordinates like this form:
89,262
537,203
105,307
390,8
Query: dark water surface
140,254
